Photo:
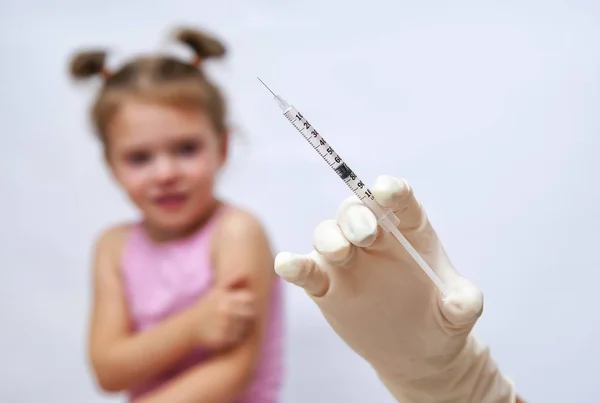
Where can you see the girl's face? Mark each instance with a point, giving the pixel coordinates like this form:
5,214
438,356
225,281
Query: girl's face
166,159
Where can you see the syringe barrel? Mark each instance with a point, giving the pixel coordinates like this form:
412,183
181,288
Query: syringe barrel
332,158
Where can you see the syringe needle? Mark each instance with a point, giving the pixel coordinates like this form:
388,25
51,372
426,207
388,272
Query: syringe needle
266,86
280,101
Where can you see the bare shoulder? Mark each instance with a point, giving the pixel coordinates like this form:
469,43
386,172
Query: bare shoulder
110,243
239,225
241,243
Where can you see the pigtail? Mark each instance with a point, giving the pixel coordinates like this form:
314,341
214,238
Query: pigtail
88,64
203,45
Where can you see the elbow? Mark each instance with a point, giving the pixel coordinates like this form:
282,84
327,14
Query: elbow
108,381
108,385
107,376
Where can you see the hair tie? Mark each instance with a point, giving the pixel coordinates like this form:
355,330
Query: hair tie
105,73
197,61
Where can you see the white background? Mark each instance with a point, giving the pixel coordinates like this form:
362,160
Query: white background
490,111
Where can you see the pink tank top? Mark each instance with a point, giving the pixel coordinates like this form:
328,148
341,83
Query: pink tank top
162,279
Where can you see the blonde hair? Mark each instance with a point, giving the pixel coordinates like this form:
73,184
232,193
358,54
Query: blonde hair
160,78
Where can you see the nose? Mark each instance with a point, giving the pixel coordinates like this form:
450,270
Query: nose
166,170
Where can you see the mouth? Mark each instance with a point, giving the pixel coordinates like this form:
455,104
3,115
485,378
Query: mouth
171,201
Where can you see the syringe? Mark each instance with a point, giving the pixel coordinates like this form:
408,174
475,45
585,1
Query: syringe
385,218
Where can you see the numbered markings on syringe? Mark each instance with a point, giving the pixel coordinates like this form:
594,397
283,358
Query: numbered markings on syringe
314,139
344,171
328,154
322,147
358,187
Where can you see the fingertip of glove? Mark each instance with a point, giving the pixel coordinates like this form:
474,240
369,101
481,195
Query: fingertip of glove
302,271
359,225
389,190
286,265
330,242
463,305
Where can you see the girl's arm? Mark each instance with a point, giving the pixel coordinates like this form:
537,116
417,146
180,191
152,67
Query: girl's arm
119,358
242,247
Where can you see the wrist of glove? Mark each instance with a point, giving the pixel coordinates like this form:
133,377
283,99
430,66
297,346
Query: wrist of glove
379,301
472,376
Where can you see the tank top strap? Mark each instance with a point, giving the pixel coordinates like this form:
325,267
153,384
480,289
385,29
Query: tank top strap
135,240
208,228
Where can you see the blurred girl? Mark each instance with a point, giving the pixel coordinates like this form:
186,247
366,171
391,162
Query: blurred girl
186,304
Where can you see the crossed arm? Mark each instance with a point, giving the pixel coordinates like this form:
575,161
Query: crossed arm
122,360
241,248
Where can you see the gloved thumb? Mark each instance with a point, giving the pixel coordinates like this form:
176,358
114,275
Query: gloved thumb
463,305
303,271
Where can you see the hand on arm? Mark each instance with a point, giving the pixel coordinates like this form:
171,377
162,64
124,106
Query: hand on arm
120,359
242,250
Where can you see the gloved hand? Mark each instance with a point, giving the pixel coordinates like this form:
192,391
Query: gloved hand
386,309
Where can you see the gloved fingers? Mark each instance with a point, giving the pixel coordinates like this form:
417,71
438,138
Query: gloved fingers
302,270
331,243
463,305
357,223
396,194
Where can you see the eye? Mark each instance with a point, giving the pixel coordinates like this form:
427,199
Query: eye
188,148
138,157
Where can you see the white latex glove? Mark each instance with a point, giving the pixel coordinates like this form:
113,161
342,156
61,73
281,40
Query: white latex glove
385,308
